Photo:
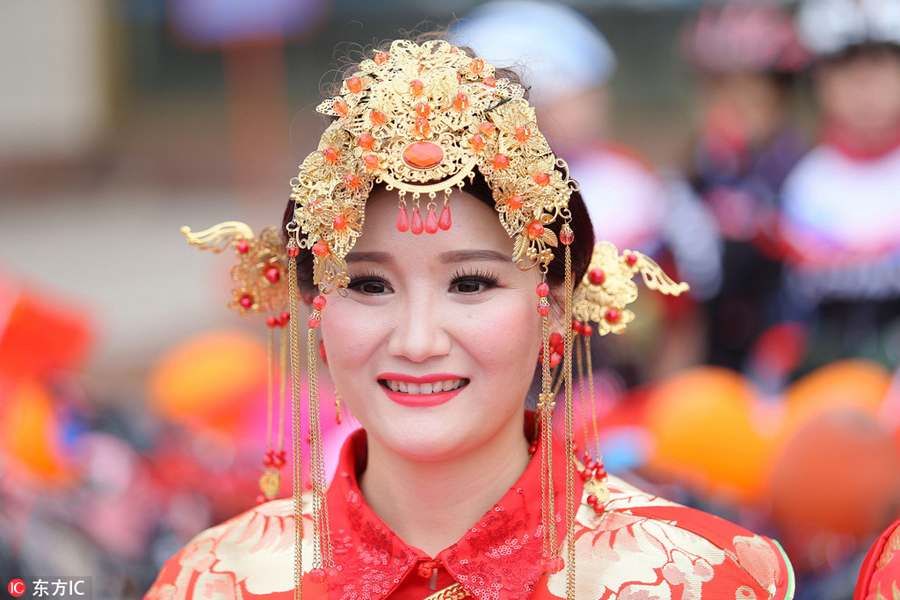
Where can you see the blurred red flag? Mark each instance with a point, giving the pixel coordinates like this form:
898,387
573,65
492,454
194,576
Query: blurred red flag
39,331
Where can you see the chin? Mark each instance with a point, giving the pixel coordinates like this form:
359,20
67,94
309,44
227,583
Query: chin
425,437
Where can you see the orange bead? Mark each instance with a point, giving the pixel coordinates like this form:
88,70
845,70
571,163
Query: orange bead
514,202
377,117
320,249
522,134
462,102
536,230
487,128
371,161
477,142
542,179
423,110
351,181
339,222
501,161
489,81
331,155
354,85
416,87
422,127
476,66
381,58
365,141
340,107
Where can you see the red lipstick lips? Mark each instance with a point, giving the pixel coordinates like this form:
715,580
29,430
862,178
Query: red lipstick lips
420,400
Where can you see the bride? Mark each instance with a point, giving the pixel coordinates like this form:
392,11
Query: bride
454,239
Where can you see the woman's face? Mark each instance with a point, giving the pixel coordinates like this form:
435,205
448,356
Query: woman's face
436,343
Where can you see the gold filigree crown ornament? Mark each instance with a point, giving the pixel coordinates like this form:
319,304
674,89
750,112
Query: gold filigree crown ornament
421,119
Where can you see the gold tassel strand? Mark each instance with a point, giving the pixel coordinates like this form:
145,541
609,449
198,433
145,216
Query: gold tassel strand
270,383
283,391
567,235
297,434
323,556
586,340
550,560
583,403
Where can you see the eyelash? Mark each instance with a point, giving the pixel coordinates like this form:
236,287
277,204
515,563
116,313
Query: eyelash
481,276
478,275
357,280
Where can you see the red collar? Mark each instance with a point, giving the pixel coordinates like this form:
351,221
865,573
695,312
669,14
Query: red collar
498,558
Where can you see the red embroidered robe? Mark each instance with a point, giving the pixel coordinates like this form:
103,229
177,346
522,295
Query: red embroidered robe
639,547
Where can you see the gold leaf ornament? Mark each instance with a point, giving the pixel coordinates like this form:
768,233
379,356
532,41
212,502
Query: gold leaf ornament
260,275
608,287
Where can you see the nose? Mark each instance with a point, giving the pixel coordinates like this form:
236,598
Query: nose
421,332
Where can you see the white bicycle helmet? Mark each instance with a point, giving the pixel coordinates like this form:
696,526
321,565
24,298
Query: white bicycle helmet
557,50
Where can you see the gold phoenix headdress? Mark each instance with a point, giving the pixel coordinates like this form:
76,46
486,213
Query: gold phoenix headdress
420,119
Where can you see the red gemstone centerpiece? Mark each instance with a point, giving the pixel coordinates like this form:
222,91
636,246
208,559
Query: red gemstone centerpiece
423,155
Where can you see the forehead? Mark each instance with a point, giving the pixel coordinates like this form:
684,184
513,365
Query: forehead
476,225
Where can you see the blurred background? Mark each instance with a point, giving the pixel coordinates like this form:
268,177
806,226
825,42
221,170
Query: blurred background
752,148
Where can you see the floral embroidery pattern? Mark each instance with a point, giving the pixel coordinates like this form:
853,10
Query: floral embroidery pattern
641,547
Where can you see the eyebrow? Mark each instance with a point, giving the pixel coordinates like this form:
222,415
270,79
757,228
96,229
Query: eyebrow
455,256
380,258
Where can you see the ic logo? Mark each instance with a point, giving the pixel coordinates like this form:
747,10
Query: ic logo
16,588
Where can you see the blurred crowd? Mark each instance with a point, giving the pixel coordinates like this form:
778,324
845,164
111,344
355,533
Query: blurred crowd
769,395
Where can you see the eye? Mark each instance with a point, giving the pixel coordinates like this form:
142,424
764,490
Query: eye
369,284
473,282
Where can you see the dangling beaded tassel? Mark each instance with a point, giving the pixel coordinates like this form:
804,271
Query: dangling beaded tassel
594,474
297,433
283,362
567,238
274,459
323,555
551,562
583,402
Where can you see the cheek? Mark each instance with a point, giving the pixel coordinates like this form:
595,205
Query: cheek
349,337
505,334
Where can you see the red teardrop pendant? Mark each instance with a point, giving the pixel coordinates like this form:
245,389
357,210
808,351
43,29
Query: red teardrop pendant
445,222
431,222
417,227
403,220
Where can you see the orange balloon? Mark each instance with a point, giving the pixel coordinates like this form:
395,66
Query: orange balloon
29,432
840,474
853,383
702,423
207,381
